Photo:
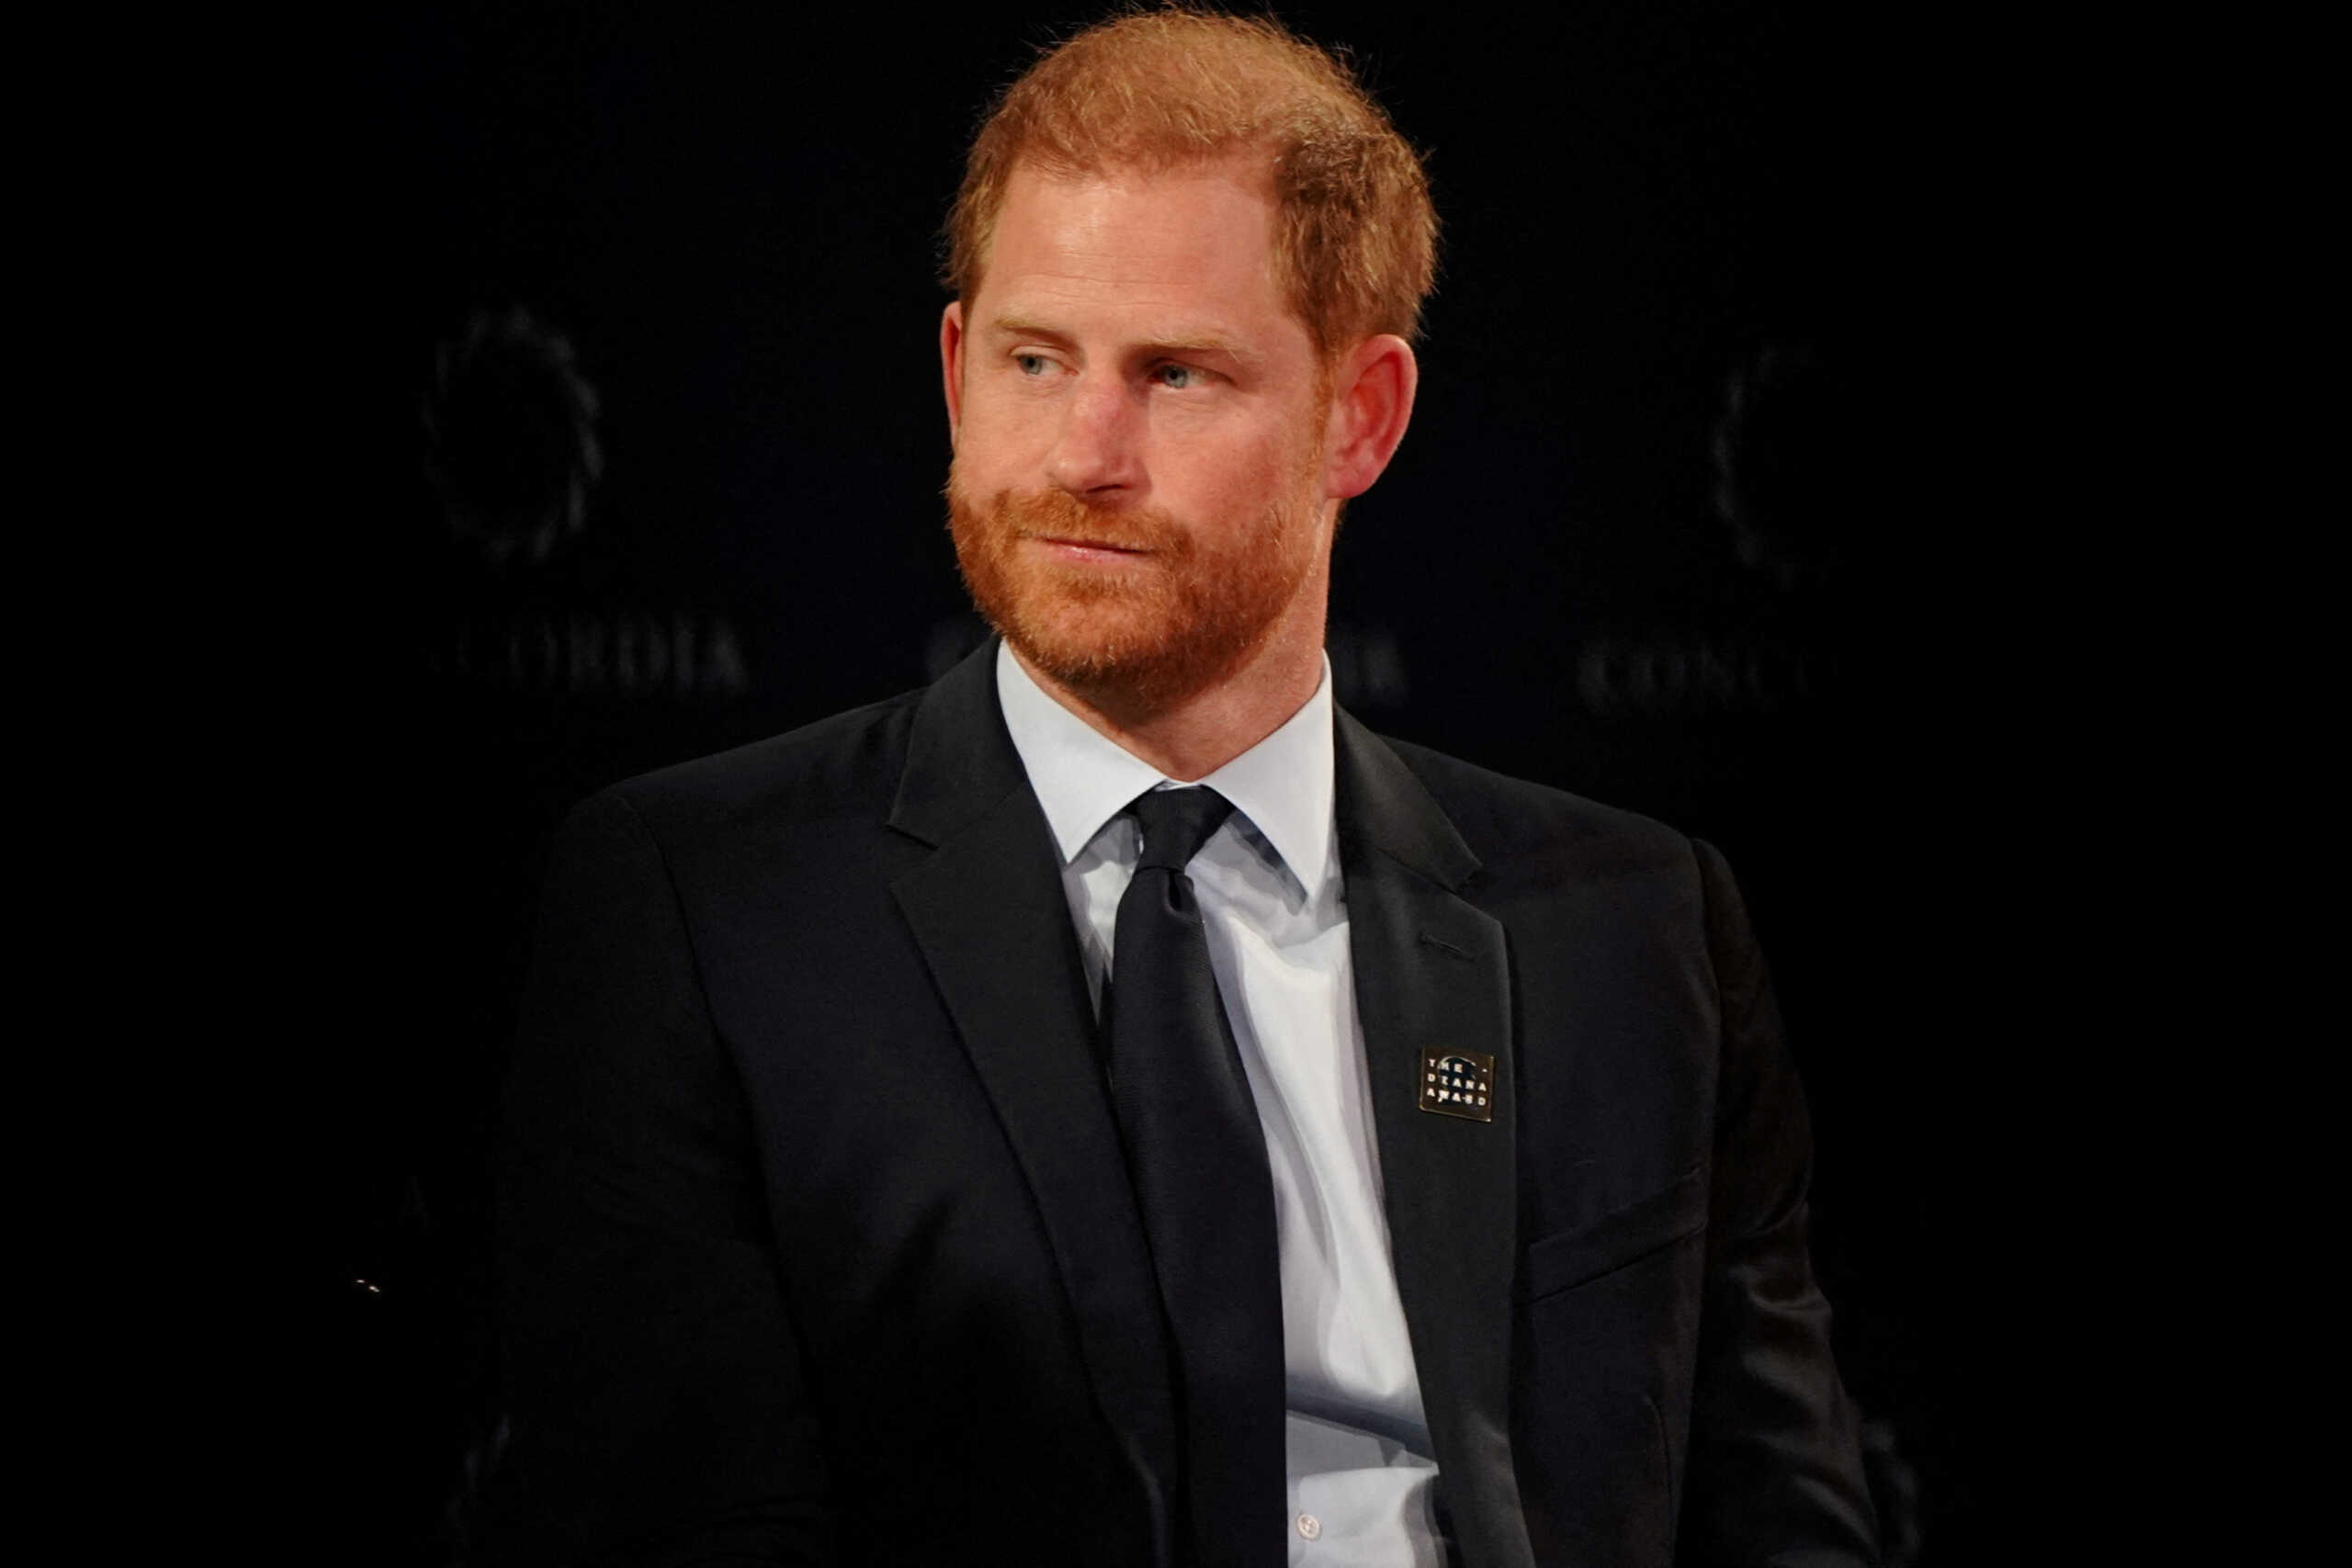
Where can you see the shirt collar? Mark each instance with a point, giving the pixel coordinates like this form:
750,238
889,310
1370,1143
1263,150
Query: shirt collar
1083,778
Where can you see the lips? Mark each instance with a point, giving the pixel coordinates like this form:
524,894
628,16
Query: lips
1109,546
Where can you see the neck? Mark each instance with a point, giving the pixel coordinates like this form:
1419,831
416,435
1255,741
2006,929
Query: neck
1192,737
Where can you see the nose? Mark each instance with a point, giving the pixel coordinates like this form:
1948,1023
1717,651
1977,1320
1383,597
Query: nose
1098,452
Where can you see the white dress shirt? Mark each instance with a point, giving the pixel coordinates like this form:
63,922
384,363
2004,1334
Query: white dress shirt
1272,902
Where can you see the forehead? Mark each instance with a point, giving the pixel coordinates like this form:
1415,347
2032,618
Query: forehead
1171,247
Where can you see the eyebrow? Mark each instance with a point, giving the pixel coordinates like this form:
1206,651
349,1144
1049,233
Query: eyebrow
1205,342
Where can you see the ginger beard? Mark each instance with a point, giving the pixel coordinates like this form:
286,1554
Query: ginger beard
1148,635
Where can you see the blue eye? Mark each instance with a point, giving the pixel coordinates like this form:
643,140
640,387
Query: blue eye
1176,376
1030,364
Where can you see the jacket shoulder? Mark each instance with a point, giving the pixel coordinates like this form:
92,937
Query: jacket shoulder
1502,819
837,771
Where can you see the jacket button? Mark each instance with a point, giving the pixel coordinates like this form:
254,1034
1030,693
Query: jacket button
1309,1527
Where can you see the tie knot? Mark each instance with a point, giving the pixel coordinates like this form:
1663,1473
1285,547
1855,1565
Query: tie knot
1176,823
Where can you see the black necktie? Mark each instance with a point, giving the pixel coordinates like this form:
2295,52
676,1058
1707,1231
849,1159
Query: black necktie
1198,1158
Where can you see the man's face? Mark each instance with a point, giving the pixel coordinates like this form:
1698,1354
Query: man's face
1137,495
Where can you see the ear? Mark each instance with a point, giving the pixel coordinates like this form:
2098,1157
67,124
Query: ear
951,366
1372,401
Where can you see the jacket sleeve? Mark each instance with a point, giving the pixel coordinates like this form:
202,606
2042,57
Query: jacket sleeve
1774,1471
658,1409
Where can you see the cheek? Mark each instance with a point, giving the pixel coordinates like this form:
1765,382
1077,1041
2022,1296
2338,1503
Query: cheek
990,442
1235,481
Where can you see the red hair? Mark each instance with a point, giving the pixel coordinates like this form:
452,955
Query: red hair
1355,237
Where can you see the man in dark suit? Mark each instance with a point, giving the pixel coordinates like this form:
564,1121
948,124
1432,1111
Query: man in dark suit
1110,1107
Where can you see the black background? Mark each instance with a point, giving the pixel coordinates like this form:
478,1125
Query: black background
731,214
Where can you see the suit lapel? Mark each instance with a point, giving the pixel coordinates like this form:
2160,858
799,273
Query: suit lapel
1432,972
989,911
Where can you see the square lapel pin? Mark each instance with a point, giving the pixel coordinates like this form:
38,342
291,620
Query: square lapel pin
1458,1083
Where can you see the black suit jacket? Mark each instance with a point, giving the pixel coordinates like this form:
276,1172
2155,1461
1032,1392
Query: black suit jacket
817,1246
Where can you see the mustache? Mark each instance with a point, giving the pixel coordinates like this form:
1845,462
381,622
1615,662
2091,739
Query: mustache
1057,514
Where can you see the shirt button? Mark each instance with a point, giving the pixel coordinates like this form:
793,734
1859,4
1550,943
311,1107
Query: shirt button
1309,1527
